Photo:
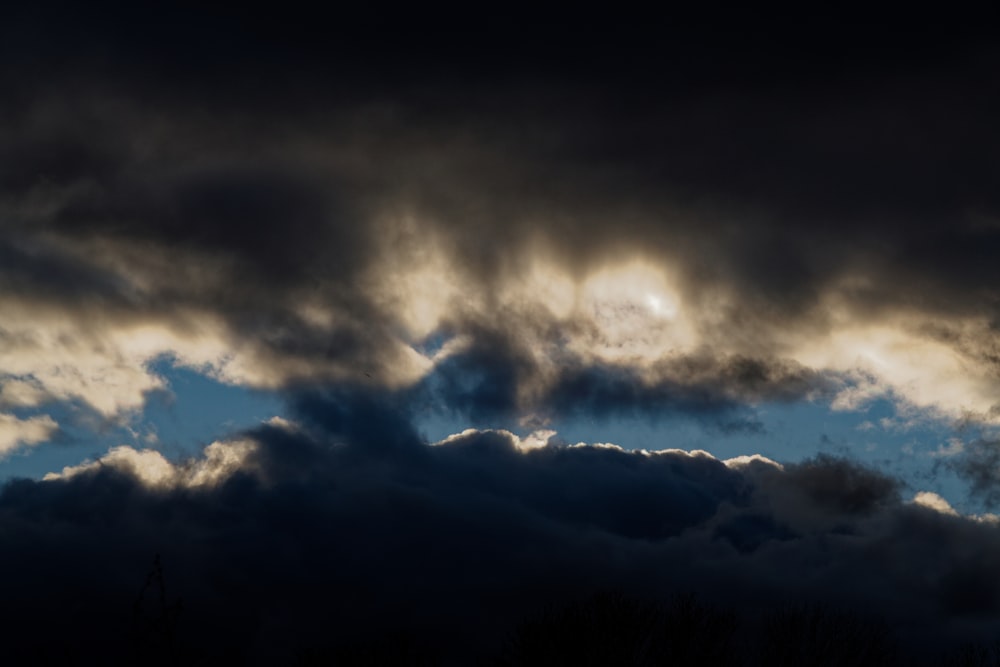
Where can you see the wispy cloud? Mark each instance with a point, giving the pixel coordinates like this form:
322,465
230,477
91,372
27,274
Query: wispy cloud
15,432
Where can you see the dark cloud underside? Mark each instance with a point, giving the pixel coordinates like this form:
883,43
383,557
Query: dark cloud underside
328,534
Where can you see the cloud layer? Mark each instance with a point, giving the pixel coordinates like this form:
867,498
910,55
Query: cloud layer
739,243
302,536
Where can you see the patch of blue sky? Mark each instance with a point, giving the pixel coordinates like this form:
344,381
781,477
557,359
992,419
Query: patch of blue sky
82,434
179,421
433,343
196,409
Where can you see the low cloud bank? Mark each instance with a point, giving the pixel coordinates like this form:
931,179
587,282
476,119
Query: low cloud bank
344,526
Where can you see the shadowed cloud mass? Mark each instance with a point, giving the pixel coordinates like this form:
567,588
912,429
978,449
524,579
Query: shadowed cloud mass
345,525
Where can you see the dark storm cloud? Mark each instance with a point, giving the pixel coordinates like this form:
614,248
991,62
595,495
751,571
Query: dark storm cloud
56,276
819,150
349,529
241,166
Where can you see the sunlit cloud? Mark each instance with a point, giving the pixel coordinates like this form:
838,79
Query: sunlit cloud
217,462
634,313
893,361
935,502
16,433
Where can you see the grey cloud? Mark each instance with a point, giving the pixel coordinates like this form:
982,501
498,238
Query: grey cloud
840,486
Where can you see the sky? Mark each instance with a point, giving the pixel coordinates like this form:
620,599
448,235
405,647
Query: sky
372,322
